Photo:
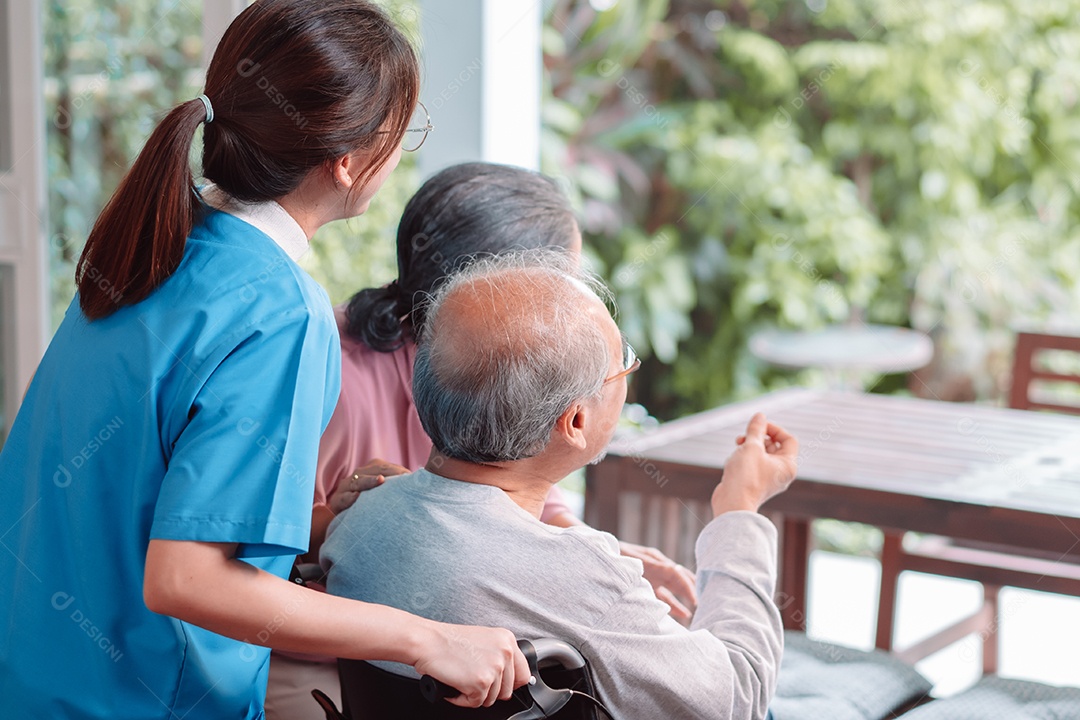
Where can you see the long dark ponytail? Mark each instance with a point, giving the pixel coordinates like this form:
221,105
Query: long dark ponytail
294,85
462,211
138,240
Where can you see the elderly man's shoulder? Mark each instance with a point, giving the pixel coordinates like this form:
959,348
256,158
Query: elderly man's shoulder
487,560
439,519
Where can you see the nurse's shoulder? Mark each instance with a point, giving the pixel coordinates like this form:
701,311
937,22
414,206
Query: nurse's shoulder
236,285
228,259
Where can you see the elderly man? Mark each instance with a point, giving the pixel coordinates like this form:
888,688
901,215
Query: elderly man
519,381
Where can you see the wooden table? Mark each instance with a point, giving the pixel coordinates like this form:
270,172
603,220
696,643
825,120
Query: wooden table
969,472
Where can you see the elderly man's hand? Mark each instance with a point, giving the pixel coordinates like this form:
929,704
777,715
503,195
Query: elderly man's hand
763,465
370,475
671,582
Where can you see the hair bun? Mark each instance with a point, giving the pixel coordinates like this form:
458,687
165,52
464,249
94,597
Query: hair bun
372,317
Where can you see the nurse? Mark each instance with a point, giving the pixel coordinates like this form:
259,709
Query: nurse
158,479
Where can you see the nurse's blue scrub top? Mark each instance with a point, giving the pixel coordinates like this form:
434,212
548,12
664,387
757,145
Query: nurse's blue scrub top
192,415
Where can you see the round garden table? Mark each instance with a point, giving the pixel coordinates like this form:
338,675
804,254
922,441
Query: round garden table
843,350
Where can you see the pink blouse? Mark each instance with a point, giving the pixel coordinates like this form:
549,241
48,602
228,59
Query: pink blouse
375,418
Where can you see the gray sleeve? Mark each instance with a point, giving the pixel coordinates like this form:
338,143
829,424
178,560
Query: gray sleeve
724,668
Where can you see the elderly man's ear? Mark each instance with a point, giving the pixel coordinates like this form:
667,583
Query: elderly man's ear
571,426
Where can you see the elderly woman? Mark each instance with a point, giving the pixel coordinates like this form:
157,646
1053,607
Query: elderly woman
463,211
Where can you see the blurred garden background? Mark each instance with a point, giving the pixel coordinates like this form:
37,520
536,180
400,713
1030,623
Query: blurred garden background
735,165
742,165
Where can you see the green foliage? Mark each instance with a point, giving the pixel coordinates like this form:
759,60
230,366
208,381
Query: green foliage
741,165
110,68
848,538
348,255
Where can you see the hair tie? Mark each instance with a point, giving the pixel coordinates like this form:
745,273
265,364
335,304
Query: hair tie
209,109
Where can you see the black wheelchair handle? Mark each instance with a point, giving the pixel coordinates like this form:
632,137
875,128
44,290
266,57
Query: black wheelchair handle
435,690
538,651
546,701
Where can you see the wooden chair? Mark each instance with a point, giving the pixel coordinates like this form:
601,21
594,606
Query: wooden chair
985,563
1027,371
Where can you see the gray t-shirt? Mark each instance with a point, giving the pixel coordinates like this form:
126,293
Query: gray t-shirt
465,553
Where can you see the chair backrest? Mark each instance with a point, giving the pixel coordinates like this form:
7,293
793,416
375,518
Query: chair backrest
371,693
1027,371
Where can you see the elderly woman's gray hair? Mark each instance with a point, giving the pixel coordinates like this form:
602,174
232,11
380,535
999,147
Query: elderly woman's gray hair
507,349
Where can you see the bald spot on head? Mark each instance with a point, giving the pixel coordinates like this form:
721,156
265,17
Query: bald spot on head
504,318
511,343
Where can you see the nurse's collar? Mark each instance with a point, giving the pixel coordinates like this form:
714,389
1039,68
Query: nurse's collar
269,217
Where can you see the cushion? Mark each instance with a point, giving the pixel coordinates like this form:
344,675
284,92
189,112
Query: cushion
822,681
996,698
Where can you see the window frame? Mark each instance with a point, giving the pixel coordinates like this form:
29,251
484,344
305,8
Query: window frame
24,324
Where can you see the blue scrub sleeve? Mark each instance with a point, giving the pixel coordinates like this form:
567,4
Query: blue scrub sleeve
243,468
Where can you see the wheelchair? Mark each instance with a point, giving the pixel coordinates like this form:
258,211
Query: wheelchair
561,689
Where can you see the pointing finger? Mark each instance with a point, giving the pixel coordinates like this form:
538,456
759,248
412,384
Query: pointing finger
756,429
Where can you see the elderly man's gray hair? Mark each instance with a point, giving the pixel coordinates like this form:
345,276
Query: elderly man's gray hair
507,349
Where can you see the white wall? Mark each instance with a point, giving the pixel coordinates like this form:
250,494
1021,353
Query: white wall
217,14
482,81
